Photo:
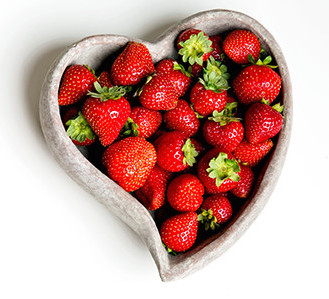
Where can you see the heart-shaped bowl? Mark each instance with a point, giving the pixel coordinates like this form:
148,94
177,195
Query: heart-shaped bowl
94,51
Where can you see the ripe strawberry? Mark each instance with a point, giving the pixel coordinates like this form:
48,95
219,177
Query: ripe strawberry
142,122
251,154
176,74
262,122
159,94
129,162
179,232
104,79
224,130
106,112
219,171
152,193
194,46
185,193
175,151
255,83
217,52
216,209
182,118
77,81
244,186
239,44
132,65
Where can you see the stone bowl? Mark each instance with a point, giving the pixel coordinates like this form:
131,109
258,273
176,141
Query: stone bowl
93,51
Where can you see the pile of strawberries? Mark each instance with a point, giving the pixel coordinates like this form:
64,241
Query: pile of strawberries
188,136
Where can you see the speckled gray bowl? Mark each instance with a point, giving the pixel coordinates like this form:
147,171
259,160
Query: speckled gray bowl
93,51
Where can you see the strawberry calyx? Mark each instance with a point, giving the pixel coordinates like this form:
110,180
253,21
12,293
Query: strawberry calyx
130,128
277,107
169,250
79,129
194,48
209,220
226,115
223,168
179,67
267,60
215,76
105,93
189,152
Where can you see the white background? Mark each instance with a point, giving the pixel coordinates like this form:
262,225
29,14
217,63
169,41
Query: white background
58,242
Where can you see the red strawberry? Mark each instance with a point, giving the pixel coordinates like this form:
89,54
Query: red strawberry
182,118
185,193
132,65
129,162
142,122
179,232
239,44
217,52
106,112
262,122
176,74
244,186
251,154
255,83
77,81
219,171
152,193
216,209
224,130
194,46
104,79
159,94
175,151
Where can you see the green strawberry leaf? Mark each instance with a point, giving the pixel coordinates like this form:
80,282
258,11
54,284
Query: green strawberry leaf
79,129
189,153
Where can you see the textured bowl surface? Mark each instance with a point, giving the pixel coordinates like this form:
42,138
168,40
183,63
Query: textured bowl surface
93,51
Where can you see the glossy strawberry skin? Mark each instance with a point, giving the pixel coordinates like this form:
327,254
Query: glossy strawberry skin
206,101
129,162
153,193
180,231
251,154
77,81
262,122
208,182
227,136
185,193
239,44
179,80
255,83
217,50
244,186
159,94
132,65
182,118
148,121
104,79
106,118
220,206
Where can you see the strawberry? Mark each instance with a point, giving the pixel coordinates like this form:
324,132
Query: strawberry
182,118
239,44
176,74
152,193
255,83
142,122
185,193
262,122
217,52
224,130
194,46
159,94
77,81
216,209
175,151
179,232
244,186
104,79
132,65
106,111
251,154
219,171
129,162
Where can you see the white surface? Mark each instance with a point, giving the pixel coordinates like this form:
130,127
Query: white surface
58,242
